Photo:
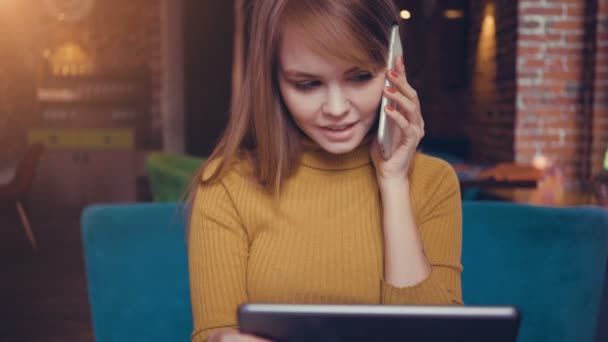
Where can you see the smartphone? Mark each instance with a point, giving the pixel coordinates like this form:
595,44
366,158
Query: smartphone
385,126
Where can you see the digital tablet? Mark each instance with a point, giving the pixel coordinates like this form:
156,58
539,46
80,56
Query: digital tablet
286,322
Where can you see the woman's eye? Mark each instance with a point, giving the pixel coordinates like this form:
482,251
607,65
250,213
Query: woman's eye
308,85
362,77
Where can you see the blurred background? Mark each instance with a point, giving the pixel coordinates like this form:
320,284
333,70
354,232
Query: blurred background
119,101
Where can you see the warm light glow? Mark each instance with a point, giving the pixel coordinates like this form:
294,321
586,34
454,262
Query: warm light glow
488,26
405,14
70,59
484,72
453,14
540,162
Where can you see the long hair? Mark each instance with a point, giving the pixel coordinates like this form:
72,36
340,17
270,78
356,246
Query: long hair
260,128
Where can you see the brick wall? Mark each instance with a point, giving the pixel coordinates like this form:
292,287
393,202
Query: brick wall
600,92
561,93
539,82
553,71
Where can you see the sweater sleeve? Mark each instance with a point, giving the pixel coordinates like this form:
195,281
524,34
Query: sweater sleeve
440,227
217,256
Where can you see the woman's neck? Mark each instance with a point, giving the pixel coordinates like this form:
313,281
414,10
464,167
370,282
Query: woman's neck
314,156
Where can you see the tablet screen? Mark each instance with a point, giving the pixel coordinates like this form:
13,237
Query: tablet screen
286,322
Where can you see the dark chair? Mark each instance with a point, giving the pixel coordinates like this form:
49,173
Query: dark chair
15,191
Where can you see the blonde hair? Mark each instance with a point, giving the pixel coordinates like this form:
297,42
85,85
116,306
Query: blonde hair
260,127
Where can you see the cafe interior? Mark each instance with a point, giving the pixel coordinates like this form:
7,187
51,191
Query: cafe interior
109,107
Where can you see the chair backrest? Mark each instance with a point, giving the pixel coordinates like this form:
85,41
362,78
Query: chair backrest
170,174
549,262
24,174
137,272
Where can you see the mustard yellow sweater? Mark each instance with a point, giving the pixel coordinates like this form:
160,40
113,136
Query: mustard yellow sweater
320,243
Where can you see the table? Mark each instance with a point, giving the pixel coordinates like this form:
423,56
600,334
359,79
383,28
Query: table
533,196
503,175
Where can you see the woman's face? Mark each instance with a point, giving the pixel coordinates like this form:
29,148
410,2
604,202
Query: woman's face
333,102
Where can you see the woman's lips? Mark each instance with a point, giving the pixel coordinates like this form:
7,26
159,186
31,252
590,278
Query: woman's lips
339,133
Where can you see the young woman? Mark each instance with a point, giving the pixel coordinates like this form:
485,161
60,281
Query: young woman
296,205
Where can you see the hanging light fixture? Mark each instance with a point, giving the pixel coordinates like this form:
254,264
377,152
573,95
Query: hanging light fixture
453,14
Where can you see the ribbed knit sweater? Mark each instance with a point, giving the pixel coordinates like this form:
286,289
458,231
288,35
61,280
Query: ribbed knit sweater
320,243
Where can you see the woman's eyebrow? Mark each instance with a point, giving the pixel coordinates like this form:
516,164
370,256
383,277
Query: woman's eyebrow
296,73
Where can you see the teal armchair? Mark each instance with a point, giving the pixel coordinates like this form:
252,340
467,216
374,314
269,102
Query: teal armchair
549,262
137,272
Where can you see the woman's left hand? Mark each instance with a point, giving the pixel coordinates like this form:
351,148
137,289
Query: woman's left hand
409,128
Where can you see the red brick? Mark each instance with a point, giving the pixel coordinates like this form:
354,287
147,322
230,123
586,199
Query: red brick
574,38
529,75
575,11
529,50
565,25
533,63
530,24
524,37
544,11
564,51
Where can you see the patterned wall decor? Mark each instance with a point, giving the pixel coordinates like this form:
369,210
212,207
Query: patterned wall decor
116,35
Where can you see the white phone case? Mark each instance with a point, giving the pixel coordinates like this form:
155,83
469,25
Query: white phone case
385,126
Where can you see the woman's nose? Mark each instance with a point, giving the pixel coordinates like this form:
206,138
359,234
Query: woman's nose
336,103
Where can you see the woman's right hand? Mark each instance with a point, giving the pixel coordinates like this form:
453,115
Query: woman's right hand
232,335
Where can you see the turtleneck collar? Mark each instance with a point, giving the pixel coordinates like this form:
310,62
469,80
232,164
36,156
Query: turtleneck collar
314,156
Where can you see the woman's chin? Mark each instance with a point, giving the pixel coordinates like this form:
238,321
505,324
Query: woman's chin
341,147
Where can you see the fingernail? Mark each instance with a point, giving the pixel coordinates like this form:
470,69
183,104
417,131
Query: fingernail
390,89
394,74
390,108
